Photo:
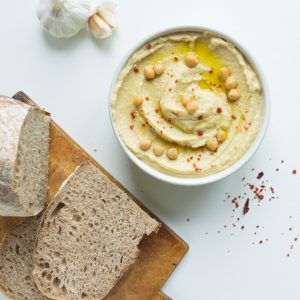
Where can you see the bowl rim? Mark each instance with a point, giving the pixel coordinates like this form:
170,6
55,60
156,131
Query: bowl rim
195,181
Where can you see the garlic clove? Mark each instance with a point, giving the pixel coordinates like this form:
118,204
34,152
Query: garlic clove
99,28
107,11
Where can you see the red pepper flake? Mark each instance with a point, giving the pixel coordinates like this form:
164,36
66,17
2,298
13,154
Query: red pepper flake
233,117
176,81
196,168
157,110
260,175
219,110
176,59
272,190
251,186
131,127
246,207
199,132
147,98
261,241
135,69
132,114
149,46
294,172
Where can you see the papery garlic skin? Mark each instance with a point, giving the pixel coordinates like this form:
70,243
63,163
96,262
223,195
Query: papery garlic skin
63,18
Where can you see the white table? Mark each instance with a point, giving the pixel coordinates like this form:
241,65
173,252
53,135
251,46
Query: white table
71,79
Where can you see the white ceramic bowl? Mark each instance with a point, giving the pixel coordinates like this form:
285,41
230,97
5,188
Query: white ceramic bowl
250,152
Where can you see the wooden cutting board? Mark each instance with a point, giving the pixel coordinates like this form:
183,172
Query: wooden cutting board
160,252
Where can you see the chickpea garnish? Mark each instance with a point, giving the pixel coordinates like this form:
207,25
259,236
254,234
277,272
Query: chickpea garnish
212,144
145,145
192,107
185,100
159,69
224,74
233,95
221,135
172,153
138,101
191,60
149,72
231,83
158,150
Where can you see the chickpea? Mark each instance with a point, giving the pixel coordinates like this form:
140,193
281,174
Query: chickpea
149,72
224,74
233,95
138,101
159,69
212,144
145,145
191,60
158,150
172,153
192,107
221,135
231,83
185,100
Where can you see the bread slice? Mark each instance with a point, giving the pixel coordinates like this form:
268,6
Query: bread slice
16,262
24,136
88,238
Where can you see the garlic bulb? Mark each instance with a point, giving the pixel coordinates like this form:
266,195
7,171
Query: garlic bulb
103,20
63,18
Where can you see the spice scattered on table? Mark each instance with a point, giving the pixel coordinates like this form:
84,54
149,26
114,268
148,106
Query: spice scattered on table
255,192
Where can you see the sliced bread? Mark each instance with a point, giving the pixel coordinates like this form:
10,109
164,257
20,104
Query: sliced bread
24,149
16,262
88,238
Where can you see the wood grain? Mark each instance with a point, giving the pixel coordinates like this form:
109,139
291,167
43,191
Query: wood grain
160,253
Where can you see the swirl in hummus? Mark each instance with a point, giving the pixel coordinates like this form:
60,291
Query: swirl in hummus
189,104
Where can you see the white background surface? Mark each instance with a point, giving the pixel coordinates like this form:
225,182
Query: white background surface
71,79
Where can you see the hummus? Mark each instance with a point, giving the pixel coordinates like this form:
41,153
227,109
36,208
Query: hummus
163,119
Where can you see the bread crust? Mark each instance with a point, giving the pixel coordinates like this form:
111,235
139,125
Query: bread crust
13,113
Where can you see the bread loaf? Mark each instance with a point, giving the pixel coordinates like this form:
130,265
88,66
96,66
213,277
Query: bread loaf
88,237
24,148
16,262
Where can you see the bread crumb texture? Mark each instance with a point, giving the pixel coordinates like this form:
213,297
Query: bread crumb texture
88,238
16,262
